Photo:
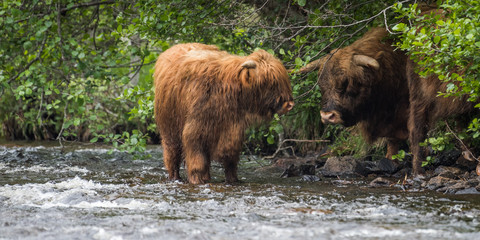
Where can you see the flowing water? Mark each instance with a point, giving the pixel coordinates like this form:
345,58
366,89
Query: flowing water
48,192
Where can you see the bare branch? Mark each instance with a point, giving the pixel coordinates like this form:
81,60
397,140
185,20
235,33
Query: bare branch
89,4
461,142
290,147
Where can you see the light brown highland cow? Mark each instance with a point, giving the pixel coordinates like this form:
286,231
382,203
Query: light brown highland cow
206,98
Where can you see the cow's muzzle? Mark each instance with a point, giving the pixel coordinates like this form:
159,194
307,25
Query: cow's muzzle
332,117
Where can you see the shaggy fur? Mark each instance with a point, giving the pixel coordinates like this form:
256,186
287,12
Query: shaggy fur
384,96
206,98
365,84
426,108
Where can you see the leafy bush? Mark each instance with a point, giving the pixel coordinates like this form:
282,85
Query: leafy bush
81,70
445,43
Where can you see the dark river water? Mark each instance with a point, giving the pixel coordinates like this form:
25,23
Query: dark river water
48,192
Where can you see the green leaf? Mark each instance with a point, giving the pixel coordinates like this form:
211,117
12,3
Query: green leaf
399,27
302,3
416,43
298,61
270,139
457,32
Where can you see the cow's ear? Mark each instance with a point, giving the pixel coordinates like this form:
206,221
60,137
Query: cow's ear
366,61
249,64
247,72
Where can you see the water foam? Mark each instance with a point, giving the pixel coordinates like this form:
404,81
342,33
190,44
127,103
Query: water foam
75,192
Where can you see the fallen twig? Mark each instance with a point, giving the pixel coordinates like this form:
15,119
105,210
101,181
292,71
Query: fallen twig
280,148
463,144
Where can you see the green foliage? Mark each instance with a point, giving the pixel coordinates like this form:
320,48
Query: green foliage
438,144
445,43
400,156
81,70
348,142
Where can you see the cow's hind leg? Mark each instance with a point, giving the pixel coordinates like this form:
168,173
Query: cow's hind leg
417,133
172,158
393,145
228,151
198,165
197,155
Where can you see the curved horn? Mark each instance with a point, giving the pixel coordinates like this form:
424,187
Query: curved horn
249,64
312,66
366,61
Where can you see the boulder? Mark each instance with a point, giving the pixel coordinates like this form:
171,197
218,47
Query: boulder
438,182
344,166
466,162
448,172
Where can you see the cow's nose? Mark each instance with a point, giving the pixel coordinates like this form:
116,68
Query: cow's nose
330,117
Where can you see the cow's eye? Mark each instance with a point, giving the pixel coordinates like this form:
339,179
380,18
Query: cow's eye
342,85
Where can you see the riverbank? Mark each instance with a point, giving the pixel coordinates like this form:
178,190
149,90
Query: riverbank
451,173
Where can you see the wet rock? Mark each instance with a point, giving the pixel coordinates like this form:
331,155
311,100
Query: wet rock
447,172
272,170
287,167
290,171
471,190
310,178
403,172
387,165
295,171
438,182
344,166
342,182
291,167
410,183
287,162
380,182
473,181
468,175
306,169
453,188
466,162
447,158
383,166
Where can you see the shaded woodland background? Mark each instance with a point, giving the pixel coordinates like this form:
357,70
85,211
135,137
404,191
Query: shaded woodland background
81,70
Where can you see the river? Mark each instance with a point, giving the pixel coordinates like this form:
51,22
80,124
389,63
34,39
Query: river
83,192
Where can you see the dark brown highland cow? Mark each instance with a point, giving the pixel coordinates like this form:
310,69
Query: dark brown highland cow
426,107
365,84
206,98
370,84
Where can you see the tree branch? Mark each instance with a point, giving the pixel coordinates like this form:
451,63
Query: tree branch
293,140
31,62
461,142
82,5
